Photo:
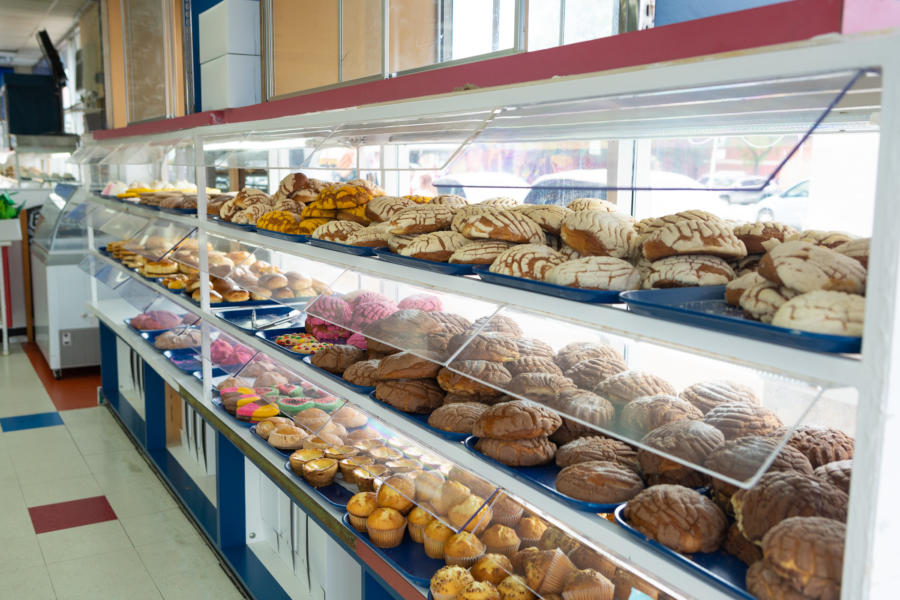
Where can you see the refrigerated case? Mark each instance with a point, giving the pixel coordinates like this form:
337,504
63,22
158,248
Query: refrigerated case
826,113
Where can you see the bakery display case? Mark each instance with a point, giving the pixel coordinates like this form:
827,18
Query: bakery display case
604,308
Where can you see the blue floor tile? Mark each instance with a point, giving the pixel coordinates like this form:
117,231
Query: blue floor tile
47,419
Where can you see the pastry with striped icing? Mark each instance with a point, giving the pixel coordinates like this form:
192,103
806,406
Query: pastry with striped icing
687,271
505,225
762,301
647,226
598,233
437,245
819,237
754,234
548,216
479,252
694,237
592,204
382,208
805,267
336,231
531,261
596,273
421,218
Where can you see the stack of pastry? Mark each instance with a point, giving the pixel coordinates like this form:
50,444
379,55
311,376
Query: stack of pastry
246,207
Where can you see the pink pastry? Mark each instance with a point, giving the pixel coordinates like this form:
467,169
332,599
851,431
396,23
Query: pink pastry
358,340
331,312
425,302
325,331
156,319
369,312
219,352
362,296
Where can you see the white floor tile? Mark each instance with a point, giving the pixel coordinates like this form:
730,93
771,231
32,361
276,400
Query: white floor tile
158,527
101,439
31,583
87,540
19,553
14,518
95,415
117,470
60,490
140,500
48,471
176,556
212,583
120,574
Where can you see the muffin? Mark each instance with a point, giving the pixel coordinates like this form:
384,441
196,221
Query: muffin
493,568
386,527
500,539
435,536
428,485
397,492
339,453
588,585
449,581
367,475
546,572
479,590
506,510
451,494
472,514
463,549
300,457
348,465
359,507
320,471
519,559
514,588
416,521
530,530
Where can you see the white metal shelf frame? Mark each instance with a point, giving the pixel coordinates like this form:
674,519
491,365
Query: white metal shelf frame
873,525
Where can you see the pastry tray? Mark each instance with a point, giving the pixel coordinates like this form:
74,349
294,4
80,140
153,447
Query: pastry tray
179,211
229,304
361,389
300,238
422,421
548,289
217,402
408,558
544,477
723,568
188,361
244,226
420,263
242,317
706,307
269,335
345,248
140,331
102,250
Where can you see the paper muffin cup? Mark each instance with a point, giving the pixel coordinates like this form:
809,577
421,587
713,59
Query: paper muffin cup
387,538
359,523
590,593
416,532
507,550
526,542
438,596
559,568
510,519
465,562
433,548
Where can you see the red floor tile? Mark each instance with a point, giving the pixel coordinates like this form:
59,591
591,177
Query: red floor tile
76,389
65,515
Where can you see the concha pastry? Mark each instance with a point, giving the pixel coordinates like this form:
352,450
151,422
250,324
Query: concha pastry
336,231
678,518
834,313
596,273
531,364
341,196
582,414
458,417
534,348
762,300
518,453
837,473
279,220
410,395
499,201
599,481
465,213
291,185
531,261
479,252
647,226
373,236
516,420
382,208
765,583
589,373
250,214
706,395
754,234
598,233
689,440
736,287
809,553
805,267
437,246
540,387
857,249
622,388
503,225
398,242
737,419
494,347
451,200
694,237
687,271
822,445
643,415
825,239
597,448
736,544
548,216
592,204
421,218
572,354
496,324
474,377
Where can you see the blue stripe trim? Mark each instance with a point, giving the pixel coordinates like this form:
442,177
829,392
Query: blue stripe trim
48,419
232,515
257,579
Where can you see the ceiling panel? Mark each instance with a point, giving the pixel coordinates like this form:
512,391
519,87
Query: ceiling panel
20,20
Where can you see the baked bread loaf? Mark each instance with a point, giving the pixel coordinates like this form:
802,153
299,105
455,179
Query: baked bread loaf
805,267
820,237
622,388
518,453
548,216
410,395
835,313
687,270
373,236
736,287
597,448
437,246
784,494
516,420
707,395
592,204
405,365
540,387
836,473
588,374
809,553
582,413
678,518
694,237
336,358
691,441
737,419
382,208
762,300
499,224
571,354
596,273
647,226
474,377
458,417
822,445
599,481
754,234
494,347
598,233
421,218
362,373
530,364
857,249
531,261
641,416
766,584
479,252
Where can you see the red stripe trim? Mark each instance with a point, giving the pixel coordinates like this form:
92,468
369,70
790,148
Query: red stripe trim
391,577
78,389
764,26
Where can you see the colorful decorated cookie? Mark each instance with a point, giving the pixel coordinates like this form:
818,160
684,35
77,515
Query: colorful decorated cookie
292,339
309,347
255,412
231,396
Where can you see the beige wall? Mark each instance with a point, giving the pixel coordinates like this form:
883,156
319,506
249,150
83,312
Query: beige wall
305,41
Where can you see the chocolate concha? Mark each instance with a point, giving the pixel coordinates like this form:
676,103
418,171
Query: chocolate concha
548,216
496,324
778,496
518,453
589,373
437,246
458,417
584,406
678,518
517,420
495,347
534,348
410,395
451,323
530,364
754,234
689,440
764,583
597,448
540,387
736,544
421,218
821,444
474,377
641,416
599,481
737,419
694,237
622,388
706,395
808,552
572,354
836,473
504,225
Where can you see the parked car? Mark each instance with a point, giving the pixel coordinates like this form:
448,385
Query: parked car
789,207
753,191
721,179
479,186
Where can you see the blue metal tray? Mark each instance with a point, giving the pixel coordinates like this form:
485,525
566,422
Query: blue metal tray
269,336
102,250
186,360
179,211
422,421
300,238
361,389
241,317
723,568
706,307
544,477
335,494
408,558
420,263
244,226
548,289
345,248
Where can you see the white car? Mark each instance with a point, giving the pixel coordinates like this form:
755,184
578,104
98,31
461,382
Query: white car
789,207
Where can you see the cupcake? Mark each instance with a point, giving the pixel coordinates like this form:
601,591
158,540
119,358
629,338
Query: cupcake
514,588
588,585
449,581
417,519
479,590
435,536
506,510
500,539
366,476
472,514
404,465
463,549
348,465
493,568
519,559
320,472
397,492
340,452
530,530
548,570
300,457
428,485
359,508
451,494
386,527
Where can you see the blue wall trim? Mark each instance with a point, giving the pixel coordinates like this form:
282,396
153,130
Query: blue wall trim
109,376
677,11
230,493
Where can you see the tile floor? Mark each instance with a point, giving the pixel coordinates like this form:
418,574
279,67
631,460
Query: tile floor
109,528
